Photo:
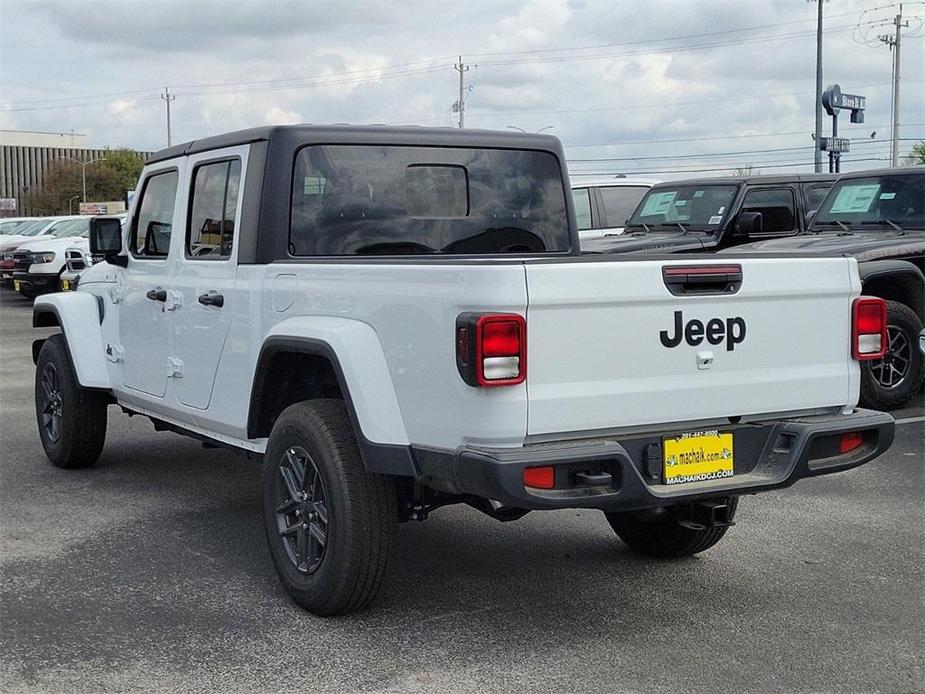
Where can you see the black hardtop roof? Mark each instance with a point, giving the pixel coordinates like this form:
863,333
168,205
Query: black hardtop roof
900,171
749,180
365,134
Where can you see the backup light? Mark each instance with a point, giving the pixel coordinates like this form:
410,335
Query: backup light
868,328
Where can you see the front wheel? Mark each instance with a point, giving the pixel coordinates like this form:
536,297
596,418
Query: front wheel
891,382
330,524
71,419
660,533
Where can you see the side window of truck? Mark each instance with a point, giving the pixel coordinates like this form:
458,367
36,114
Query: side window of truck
777,207
213,205
582,198
154,220
814,195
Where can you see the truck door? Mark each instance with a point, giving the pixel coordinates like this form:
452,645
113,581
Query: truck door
144,308
205,276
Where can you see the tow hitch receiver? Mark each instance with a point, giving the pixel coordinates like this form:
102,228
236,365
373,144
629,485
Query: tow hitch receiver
701,515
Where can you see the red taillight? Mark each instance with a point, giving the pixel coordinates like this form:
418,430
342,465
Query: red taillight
868,328
540,477
849,442
491,349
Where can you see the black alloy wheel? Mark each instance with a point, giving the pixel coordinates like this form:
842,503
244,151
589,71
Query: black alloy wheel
302,510
893,369
51,402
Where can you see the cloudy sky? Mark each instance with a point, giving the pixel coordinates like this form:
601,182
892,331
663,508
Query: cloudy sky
644,87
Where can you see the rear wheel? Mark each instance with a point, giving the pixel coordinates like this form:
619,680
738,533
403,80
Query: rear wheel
330,524
660,533
891,382
71,419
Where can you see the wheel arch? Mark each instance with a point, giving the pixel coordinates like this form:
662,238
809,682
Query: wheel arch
307,364
79,316
895,280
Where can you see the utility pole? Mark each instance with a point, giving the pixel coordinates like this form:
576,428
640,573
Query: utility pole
894,43
168,97
817,157
461,104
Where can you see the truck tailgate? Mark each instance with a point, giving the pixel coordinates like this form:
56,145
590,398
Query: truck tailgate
604,350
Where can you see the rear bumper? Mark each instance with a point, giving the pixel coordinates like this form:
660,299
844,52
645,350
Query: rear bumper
767,456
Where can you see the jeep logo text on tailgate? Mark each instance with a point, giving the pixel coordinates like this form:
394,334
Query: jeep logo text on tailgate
732,330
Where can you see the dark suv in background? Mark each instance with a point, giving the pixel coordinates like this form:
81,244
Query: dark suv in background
879,218
713,213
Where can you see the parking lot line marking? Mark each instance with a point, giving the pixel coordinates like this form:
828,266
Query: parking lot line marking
910,420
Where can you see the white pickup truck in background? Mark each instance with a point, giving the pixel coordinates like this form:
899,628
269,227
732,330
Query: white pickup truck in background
397,319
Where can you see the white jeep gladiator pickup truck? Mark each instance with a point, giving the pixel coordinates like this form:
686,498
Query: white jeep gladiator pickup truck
397,319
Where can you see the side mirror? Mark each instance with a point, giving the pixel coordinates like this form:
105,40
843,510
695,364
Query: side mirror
106,237
748,224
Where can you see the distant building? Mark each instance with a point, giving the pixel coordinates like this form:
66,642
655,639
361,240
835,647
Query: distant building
27,158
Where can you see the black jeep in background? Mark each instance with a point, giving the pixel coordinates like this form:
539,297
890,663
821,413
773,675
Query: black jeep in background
879,218
714,213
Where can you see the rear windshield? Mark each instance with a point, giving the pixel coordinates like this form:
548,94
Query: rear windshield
878,201
702,206
393,200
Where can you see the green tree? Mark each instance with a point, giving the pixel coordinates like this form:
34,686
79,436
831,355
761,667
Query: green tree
917,155
109,179
126,165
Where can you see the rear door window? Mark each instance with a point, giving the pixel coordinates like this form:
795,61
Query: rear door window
210,233
777,208
619,203
395,200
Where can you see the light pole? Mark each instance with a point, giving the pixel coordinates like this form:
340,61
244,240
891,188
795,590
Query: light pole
69,205
83,170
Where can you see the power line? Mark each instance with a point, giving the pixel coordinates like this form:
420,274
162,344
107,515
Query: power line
722,154
623,143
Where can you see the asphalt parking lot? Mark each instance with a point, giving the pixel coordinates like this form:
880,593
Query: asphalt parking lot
150,572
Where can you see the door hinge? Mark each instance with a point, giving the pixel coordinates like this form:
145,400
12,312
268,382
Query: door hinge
174,368
115,294
174,300
115,354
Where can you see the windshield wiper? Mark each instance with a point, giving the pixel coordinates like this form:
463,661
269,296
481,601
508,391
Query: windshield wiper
671,224
833,223
898,229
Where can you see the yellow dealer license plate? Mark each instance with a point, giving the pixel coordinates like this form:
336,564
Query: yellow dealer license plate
697,456
65,285
15,285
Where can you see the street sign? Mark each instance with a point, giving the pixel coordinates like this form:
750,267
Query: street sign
835,144
8,204
833,100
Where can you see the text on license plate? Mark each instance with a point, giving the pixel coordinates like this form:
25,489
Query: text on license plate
697,456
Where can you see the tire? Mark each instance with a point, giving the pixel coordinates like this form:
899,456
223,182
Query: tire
71,419
357,515
891,382
657,533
